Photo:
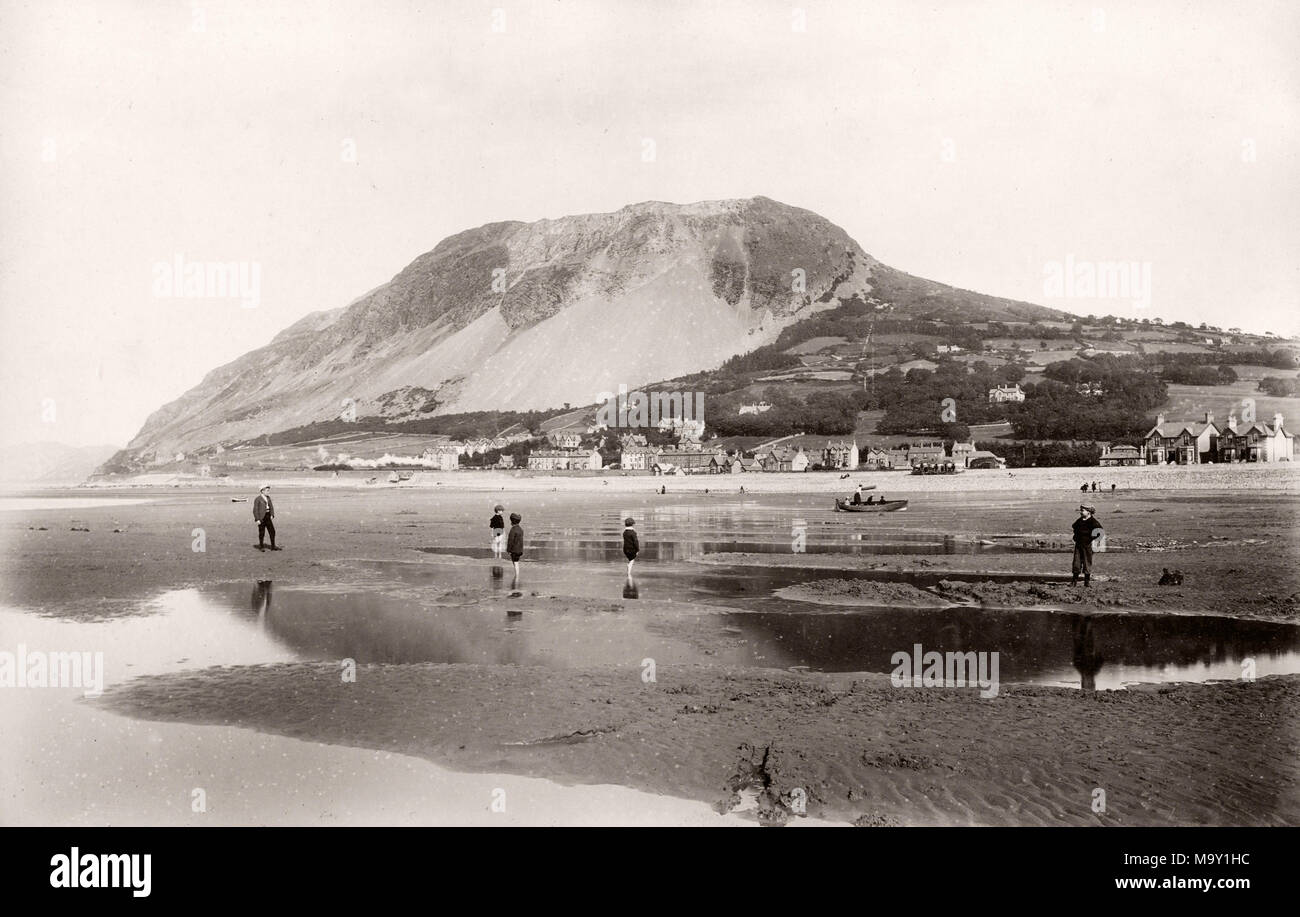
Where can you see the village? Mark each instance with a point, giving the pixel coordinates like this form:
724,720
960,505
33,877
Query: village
574,443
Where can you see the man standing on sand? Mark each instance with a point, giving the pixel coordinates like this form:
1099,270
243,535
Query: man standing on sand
1085,528
263,513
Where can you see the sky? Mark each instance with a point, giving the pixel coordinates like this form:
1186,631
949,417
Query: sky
322,146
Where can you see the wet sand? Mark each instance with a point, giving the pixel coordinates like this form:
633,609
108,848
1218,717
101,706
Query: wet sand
862,750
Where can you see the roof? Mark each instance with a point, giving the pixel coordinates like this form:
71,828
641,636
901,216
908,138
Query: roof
1173,429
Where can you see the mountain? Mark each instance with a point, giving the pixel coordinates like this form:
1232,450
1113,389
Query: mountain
523,316
50,463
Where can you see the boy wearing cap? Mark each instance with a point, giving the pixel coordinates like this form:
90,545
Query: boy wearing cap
263,513
498,527
515,543
631,545
1085,528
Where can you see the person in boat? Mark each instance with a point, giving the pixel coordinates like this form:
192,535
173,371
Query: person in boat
871,500
857,495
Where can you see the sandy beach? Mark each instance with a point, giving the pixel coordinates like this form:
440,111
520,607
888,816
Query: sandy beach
770,694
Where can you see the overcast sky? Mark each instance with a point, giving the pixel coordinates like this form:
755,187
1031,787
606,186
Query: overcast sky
969,143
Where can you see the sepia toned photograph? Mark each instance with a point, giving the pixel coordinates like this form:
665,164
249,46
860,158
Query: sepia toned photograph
633,413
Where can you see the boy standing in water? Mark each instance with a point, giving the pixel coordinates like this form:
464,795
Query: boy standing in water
515,543
631,544
498,527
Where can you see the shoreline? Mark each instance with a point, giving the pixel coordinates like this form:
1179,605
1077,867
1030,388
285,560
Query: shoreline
1129,479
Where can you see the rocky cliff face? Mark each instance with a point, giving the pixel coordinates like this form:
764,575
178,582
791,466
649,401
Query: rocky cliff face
533,315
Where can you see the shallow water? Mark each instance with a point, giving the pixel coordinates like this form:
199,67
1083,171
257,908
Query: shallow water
1034,646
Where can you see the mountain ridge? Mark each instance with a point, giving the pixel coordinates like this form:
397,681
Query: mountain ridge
533,315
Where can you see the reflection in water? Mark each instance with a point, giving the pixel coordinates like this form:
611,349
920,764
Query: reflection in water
1034,646
261,600
674,548
1086,658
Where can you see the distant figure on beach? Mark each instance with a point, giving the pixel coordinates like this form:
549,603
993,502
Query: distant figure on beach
1085,529
1170,579
742,488
515,542
263,513
498,526
1084,488
631,544
663,488
1112,488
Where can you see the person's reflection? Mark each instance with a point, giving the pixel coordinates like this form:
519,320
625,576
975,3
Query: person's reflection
1086,658
630,589
261,601
498,576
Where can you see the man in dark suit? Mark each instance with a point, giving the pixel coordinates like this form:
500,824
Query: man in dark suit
1086,531
263,513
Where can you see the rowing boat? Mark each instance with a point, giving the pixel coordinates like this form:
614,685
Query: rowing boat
886,506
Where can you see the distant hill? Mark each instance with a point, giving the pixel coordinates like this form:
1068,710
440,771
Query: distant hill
530,316
50,463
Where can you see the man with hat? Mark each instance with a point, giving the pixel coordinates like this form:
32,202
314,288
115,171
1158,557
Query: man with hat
1086,530
263,513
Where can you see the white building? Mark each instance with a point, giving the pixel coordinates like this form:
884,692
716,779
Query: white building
1005,393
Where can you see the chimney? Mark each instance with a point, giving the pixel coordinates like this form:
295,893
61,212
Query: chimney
1232,419
1277,421
1160,420
1209,418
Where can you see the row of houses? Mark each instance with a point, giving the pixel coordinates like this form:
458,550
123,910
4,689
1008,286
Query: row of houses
964,455
1205,441
1185,442
838,455
565,460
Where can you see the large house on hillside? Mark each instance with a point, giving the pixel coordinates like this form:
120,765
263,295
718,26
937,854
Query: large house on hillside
565,439
1195,442
1005,393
